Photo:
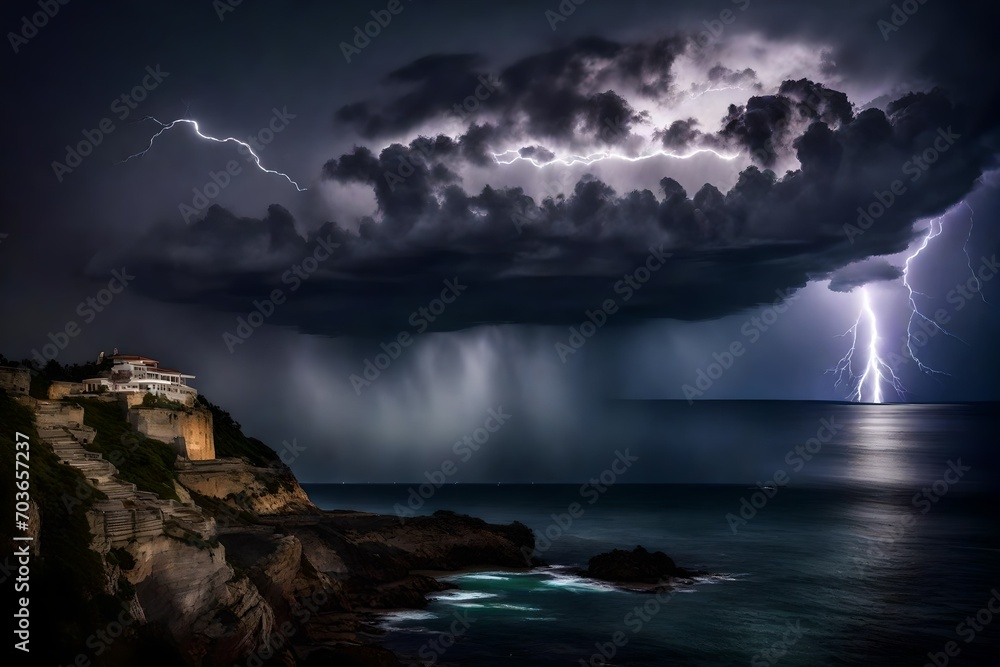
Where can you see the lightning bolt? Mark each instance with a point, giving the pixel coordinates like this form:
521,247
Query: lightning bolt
915,312
965,249
693,96
876,369
166,126
501,158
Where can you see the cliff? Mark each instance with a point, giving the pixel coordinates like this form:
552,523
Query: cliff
261,490
189,430
223,561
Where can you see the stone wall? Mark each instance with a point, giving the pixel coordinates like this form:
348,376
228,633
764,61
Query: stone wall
189,431
131,400
59,415
134,398
17,381
59,390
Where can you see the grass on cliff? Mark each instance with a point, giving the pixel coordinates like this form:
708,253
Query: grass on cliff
147,463
230,441
67,576
68,603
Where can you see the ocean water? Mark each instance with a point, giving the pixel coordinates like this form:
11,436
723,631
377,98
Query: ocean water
870,553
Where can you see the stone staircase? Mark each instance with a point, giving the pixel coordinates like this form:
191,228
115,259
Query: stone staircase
127,514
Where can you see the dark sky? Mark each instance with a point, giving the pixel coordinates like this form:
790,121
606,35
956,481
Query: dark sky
742,137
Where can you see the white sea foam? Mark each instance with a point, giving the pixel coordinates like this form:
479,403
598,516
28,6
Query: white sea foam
574,583
460,596
514,607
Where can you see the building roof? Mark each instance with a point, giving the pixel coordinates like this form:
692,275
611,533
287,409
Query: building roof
132,357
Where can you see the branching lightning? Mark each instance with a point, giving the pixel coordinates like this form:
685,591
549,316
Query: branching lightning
876,369
965,249
515,156
915,312
166,126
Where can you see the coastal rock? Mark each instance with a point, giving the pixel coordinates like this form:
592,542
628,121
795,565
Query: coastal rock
382,561
636,567
245,568
216,614
271,490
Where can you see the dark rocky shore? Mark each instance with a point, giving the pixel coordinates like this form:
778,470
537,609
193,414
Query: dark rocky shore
142,557
157,560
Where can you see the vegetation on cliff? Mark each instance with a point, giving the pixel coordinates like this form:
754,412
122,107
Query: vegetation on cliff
147,463
230,440
66,583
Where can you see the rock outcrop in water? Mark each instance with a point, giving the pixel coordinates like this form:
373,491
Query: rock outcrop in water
637,569
262,577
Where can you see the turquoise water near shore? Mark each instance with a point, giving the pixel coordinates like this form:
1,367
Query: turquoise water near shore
873,558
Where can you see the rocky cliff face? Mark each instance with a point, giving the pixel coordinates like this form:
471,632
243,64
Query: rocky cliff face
246,570
242,486
189,430
218,616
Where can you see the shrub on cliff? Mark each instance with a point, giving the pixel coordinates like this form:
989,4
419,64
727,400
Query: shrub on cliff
230,441
147,463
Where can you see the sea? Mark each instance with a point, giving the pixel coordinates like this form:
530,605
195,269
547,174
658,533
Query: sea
873,543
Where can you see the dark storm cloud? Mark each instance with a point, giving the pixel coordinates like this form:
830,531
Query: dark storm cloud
433,85
608,117
539,153
550,261
724,75
862,273
680,135
546,95
766,125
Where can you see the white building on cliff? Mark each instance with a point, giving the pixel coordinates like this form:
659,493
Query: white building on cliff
141,375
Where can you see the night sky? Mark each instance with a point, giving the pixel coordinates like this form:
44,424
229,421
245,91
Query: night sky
739,140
